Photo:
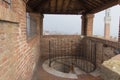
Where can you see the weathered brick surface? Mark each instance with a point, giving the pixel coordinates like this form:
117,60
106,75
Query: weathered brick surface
87,24
63,44
102,52
105,49
7,14
18,56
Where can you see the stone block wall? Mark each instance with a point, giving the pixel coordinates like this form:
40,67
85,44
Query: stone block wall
18,56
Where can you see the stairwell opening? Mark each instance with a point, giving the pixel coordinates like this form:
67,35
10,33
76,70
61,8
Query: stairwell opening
66,63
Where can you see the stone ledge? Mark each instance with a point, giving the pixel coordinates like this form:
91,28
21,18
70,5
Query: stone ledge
113,65
8,15
108,74
110,70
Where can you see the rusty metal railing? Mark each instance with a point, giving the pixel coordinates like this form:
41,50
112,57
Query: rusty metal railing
80,53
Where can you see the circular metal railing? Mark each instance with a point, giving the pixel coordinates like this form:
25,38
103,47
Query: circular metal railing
65,52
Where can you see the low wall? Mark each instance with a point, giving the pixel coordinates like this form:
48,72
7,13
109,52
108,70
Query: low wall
68,43
104,48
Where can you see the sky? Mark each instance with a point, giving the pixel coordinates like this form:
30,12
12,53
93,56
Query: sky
70,24
98,26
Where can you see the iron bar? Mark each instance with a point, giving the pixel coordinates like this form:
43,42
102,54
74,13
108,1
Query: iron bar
49,54
73,53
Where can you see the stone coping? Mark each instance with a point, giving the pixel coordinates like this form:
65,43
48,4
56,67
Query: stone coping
113,64
107,74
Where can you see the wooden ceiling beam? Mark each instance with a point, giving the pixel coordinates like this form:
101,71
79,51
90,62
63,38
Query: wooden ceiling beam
49,7
56,1
95,3
84,2
100,1
88,3
28,8
83,5
59,5
43,4
103,6
66,5
70,13
52,5
69,6
62,5
30,3
119,2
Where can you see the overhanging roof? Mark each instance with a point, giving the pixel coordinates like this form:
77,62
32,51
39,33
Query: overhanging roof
69,6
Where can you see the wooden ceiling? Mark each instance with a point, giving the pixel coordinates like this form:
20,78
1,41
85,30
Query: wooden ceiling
69,6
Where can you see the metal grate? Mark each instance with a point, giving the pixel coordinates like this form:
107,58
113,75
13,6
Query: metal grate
70,53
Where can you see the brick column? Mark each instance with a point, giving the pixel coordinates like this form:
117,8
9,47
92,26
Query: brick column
87,24
41,27
83,26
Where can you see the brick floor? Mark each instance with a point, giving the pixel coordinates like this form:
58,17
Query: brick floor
41,74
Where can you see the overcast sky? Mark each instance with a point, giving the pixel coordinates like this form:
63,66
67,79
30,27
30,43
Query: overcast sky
72,23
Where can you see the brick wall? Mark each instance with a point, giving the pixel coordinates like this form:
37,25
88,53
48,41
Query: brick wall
104,48
65,44
18,56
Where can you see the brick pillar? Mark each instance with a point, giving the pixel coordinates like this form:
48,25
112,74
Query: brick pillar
41,27
87,24
84,22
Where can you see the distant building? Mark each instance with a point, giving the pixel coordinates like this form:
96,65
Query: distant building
107,21
58,33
